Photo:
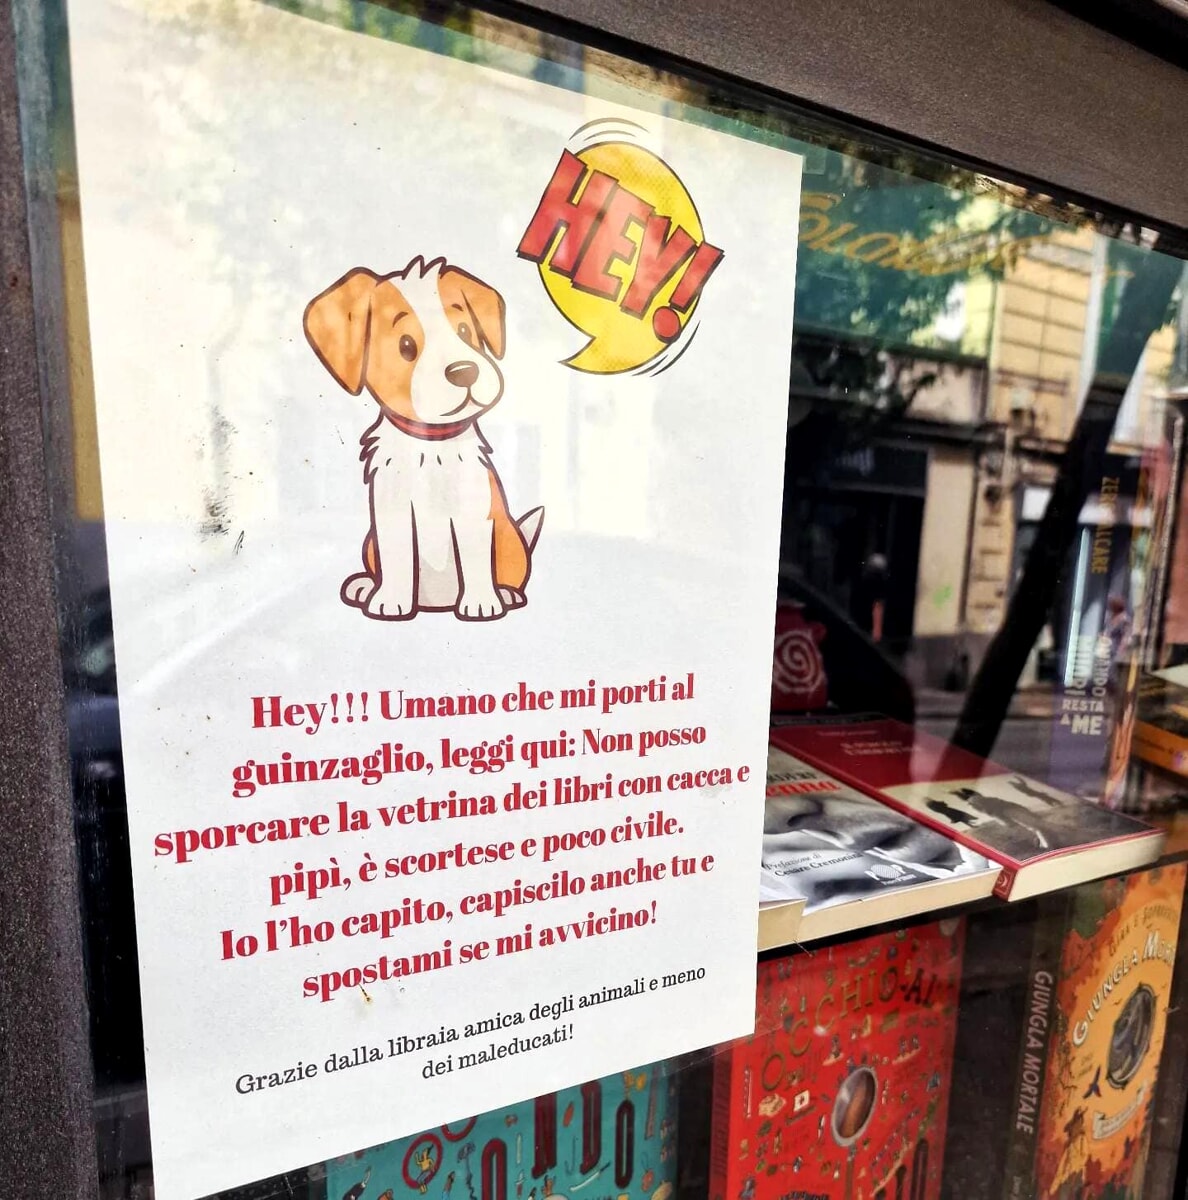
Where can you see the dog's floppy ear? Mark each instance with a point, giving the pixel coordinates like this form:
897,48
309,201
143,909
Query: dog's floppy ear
484,302
337,325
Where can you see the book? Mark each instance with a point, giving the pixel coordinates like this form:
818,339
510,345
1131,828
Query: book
1042,838
1097,1000
844,861
991,1024
1161,721
843,1089
1100,620
609,1139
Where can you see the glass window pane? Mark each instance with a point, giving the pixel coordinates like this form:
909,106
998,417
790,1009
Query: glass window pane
982,528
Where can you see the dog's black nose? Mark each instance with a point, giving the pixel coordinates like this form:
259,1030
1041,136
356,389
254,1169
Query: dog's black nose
462,374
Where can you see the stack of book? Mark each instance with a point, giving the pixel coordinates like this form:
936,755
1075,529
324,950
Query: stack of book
1040,838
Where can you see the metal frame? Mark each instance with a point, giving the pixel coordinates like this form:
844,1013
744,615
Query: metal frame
47,1145
1020,87
1024,87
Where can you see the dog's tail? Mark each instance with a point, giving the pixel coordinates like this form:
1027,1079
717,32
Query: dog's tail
530,524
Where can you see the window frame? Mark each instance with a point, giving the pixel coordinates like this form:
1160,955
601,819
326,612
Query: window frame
1045,116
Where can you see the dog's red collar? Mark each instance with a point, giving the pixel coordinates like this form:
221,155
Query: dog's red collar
422,429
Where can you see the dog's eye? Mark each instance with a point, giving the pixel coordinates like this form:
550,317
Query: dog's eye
408,348
464,331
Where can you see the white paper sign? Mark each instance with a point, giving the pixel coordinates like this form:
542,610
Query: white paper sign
444,767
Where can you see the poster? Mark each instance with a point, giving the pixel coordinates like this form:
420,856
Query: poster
441,418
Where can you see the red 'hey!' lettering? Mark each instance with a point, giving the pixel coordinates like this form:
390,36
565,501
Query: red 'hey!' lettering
593,228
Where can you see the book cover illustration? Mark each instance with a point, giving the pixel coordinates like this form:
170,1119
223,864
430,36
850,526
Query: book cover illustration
843,1090
609,1139
1111,1001
992,809
827,843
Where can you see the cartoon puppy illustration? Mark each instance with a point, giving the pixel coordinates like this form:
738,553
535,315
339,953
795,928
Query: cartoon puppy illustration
425,343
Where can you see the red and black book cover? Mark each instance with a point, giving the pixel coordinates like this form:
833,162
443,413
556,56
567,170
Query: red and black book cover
1000,813
843,1089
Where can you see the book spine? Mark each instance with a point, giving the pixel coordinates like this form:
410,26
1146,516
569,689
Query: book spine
1038,1029
719,1171
1108,635
1160,747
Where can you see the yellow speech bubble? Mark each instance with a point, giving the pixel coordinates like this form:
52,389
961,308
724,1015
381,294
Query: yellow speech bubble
621,252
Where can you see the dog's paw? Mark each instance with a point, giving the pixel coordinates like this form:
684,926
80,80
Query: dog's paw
480,605
512,597
390,604
356,589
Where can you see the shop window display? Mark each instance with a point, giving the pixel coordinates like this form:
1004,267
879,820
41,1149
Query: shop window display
977,579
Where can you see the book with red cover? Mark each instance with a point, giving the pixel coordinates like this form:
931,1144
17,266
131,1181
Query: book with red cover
1043,838
843,1089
